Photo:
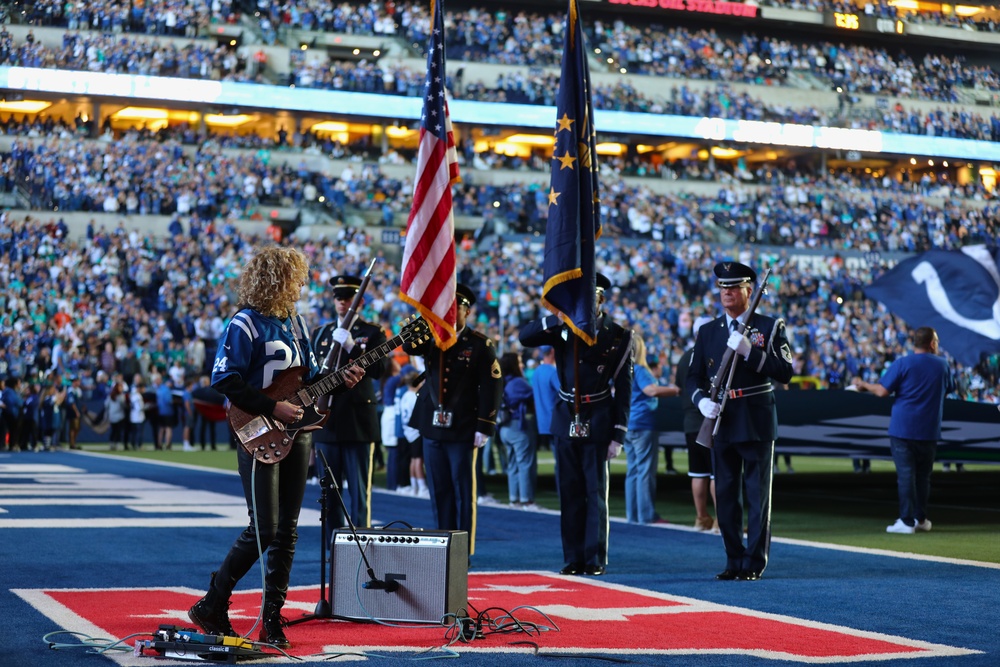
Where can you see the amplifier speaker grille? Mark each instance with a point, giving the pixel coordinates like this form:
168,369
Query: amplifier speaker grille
432,568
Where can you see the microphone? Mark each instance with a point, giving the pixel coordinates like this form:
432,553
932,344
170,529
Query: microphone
378,585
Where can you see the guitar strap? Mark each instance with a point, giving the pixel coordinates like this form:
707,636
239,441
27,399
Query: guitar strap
299,334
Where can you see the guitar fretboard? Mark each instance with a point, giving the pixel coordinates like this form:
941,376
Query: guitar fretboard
335,379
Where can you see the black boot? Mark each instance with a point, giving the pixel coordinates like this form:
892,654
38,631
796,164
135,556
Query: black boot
211,613
271,631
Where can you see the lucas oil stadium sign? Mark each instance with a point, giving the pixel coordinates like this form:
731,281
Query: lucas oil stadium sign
700,6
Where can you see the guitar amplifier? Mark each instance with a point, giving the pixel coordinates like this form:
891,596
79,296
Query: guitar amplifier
431,568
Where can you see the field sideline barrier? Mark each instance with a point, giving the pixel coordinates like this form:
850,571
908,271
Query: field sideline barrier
847,423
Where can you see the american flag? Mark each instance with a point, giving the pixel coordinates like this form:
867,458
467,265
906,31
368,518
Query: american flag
428,272
574,223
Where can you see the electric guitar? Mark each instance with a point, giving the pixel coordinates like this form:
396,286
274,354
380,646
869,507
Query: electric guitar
268,439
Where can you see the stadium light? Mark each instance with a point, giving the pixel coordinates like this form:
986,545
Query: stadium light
724,153
221,120
531,140
329,126
24,106
966,10
394,132
139,113
511,150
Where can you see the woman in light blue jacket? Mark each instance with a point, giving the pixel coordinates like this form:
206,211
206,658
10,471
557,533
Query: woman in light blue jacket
522,465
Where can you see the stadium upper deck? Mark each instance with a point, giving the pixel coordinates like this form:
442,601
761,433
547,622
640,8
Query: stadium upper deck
798,200
389,21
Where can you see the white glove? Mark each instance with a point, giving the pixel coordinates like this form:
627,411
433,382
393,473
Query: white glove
344,337
481,439
709,408
739,343
614,449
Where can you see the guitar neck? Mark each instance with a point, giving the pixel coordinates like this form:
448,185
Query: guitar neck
330,382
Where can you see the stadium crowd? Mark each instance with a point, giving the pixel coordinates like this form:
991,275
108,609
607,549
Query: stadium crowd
794,205
177,18
174,16
115,53
499,36
122,307
132,176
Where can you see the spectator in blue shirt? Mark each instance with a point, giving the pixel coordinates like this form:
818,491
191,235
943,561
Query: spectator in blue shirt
642,440
11,413
29,419
522,465
166,411
920,382
545,388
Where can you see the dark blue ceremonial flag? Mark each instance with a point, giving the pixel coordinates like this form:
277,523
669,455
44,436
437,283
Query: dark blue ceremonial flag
574,213
955,291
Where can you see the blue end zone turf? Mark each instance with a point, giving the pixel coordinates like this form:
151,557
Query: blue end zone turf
90,521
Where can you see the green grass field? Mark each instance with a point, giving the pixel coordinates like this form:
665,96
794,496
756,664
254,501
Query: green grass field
823,501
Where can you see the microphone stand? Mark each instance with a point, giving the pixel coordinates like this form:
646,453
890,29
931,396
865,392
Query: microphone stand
324,608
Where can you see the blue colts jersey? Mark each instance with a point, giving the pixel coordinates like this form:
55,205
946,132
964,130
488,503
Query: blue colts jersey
257,348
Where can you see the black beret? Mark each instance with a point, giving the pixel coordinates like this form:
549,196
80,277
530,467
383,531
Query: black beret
731,274
603,282
345,287
465,295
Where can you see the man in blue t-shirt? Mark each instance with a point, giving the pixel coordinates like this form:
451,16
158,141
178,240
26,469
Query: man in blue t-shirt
545,389
920,382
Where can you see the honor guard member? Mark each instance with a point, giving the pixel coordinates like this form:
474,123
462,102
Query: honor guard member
743,451
456,412
584,443
351,431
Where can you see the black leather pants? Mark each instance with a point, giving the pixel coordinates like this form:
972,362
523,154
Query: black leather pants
278,490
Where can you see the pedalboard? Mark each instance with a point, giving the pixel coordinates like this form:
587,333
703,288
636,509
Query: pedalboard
189,644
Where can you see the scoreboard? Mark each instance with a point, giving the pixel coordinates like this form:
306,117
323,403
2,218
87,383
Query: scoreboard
863,23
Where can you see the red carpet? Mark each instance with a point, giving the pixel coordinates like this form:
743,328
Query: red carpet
585,615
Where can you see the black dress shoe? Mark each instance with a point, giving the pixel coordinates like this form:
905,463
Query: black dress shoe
595,570
727,575
748,575
573,568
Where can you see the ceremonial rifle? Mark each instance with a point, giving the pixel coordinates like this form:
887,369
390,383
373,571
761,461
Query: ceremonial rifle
352,314
333,354
723,379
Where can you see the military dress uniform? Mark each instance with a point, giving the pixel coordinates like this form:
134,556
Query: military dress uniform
605,381
464,386
352,428
743,450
